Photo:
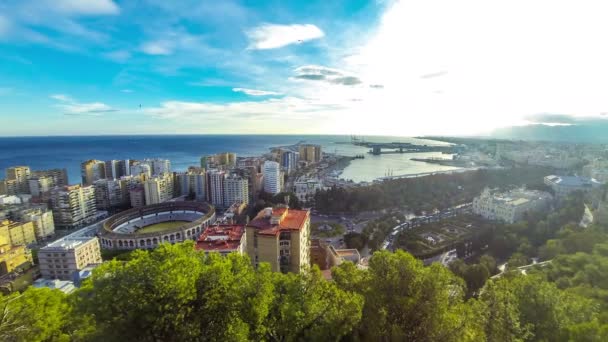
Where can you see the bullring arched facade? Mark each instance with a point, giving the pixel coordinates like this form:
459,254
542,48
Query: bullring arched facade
119,231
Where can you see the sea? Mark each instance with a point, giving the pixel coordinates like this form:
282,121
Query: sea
40,153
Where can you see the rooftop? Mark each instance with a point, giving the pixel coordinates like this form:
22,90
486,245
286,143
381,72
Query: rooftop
573,181
68,243
271,221
221,238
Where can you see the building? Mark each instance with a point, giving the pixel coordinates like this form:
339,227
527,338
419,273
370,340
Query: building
9,187
158,166
60,176
597,169
305,189
92,170
60,259
311,153
42,219
223,239
12,257
215,181
17,233
137,197
73,206
219,161
141,170
272,177
326,256
564,185
280,237
159,188
19,174
40,186
289,161
236,189
511,206
192,182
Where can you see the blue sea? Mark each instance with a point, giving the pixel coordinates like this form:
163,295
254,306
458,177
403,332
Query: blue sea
185,150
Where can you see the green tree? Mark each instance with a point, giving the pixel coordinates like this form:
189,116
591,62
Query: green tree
35,315
406,301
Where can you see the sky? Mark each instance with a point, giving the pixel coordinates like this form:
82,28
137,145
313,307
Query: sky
376,67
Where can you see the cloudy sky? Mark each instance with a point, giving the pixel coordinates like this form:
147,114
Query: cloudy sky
409,67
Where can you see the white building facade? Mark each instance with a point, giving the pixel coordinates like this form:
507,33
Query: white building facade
272,177
511,206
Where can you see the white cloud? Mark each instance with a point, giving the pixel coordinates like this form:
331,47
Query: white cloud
272,36
5,25
85,7
73,107
118,55
255,92
157,48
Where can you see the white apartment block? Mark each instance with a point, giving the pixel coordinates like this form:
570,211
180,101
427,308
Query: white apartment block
44,225
272,177
73,205
215,179
159,189
60,259
511,206
236,189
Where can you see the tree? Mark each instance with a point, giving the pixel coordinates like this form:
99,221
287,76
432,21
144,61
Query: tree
36,315
406,301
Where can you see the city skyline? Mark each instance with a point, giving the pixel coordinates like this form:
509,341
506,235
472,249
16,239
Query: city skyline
401,68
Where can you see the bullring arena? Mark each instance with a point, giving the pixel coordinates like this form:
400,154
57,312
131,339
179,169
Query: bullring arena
149,226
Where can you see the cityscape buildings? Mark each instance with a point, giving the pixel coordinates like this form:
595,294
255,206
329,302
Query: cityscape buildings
73,205
564,185
223,239
17,233
20,175
236,189
511,206
62,258
42,220
59,176
159,188
92,170
272,177
280,237
310,153
215,181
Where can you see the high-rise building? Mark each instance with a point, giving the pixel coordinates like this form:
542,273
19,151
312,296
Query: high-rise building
73,205
60,176
42,219
192,182
62,258
158,166
18,233
221,160
272,177
236,189
280,237
19,174
215,180
289,161
311,153
141,170
92,170
159,189
9,187
137,196
116,168
102,195
40,185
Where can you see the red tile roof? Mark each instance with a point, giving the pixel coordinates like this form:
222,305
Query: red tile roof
221,238
290,219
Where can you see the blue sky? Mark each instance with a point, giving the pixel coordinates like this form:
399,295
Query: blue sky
342,66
